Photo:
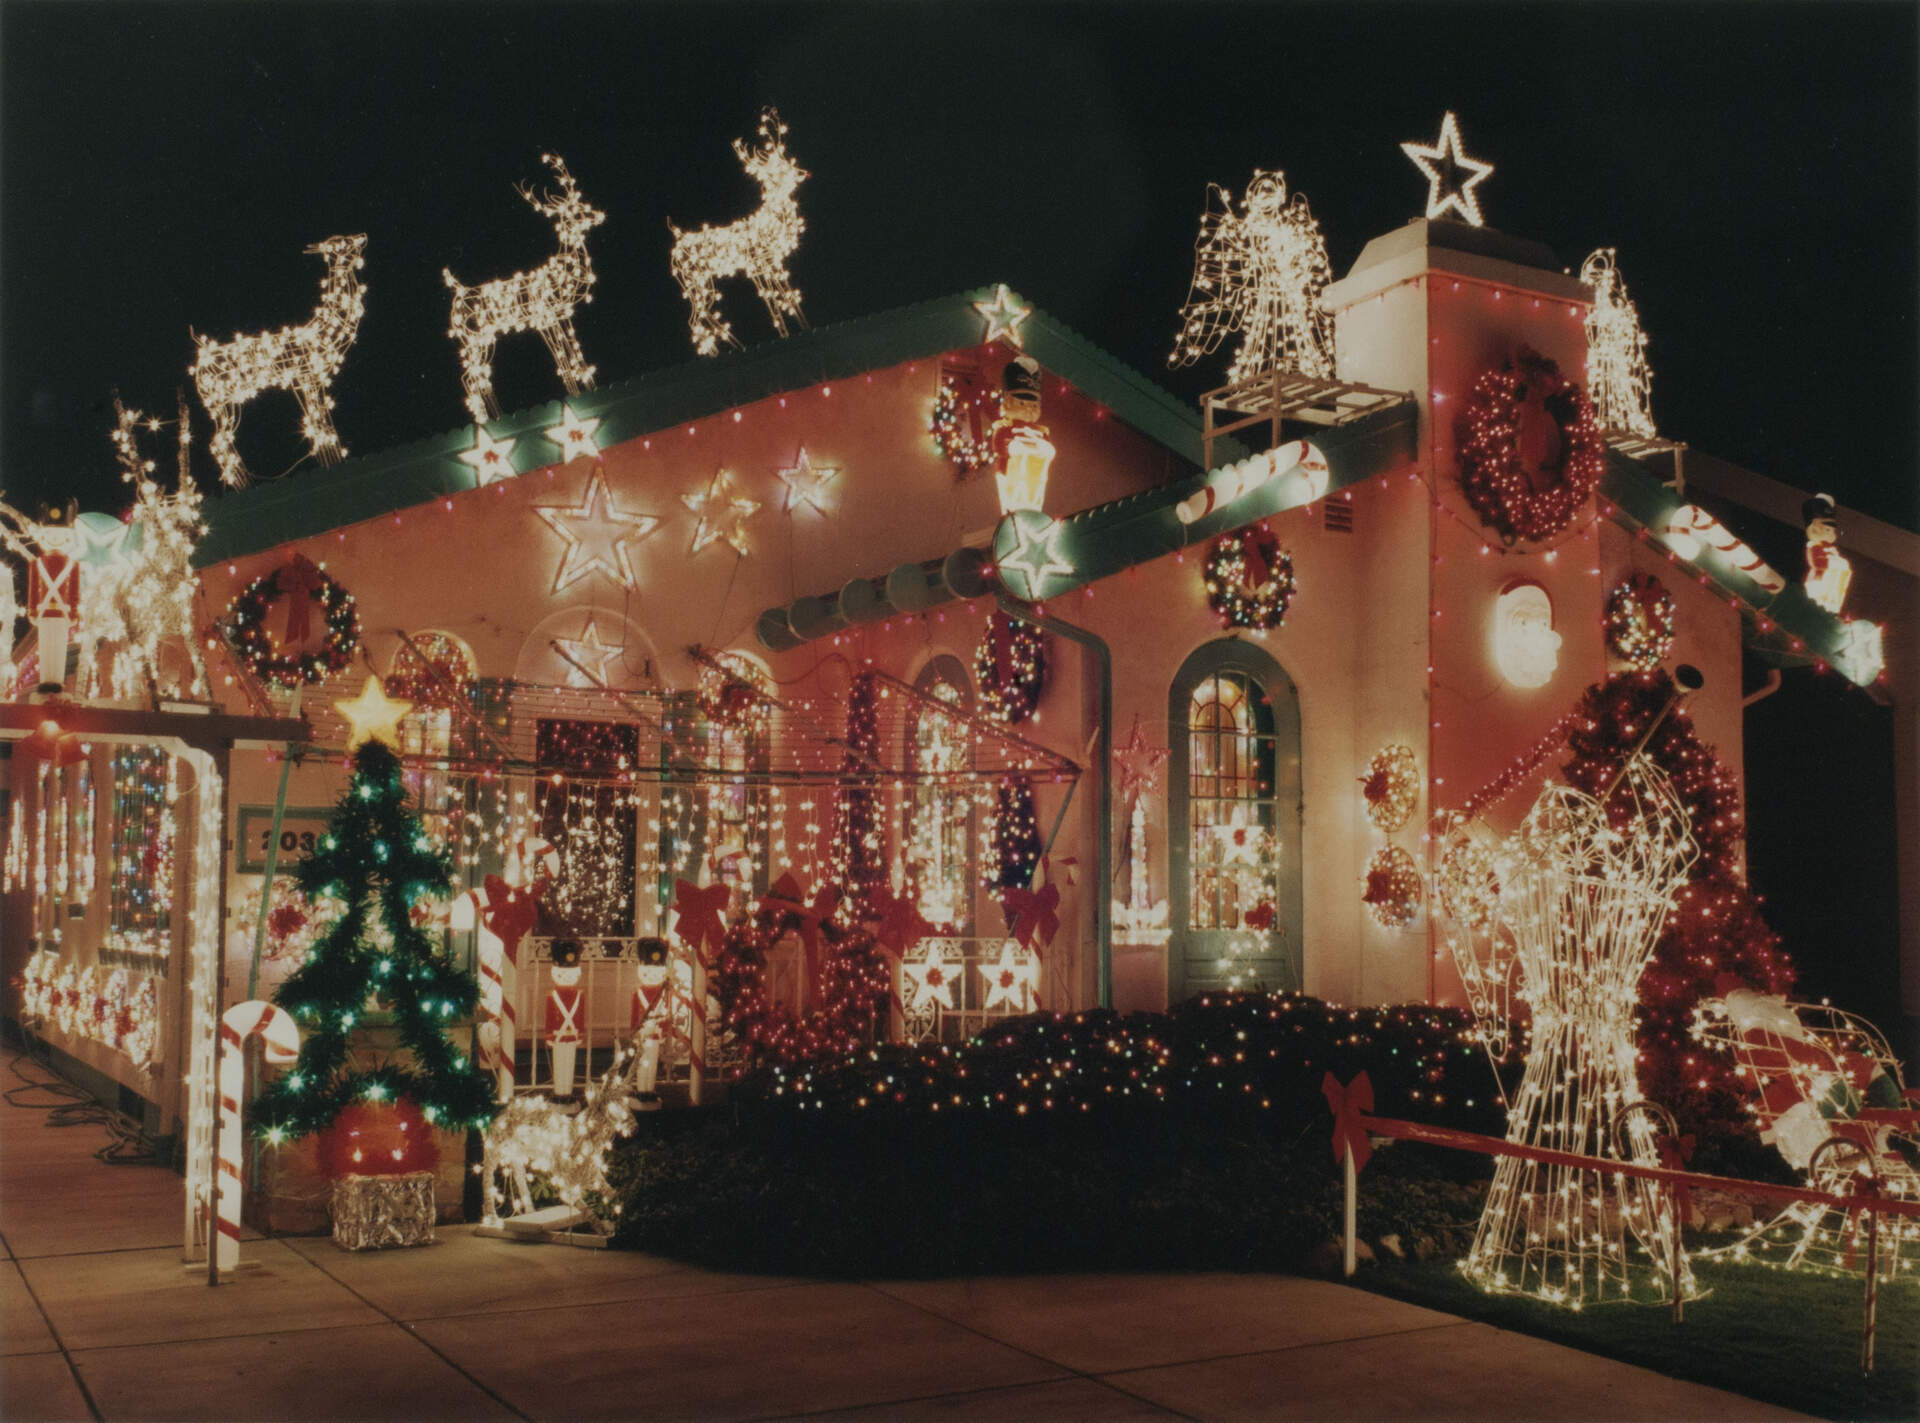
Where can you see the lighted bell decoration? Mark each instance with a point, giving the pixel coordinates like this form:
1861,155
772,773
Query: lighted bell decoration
1022,453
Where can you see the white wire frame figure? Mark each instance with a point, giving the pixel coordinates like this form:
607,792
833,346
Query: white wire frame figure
1828,1096
1572,907
1619,381
1261,272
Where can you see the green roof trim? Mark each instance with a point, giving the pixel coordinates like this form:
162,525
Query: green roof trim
248,521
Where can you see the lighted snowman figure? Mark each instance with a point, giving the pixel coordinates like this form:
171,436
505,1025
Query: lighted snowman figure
1829,575
563,1015
648,1020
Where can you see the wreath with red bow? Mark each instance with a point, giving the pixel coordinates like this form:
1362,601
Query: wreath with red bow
1249,578
294,648
1531,452
850,985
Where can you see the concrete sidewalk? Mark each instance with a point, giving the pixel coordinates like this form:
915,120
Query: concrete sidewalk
101,1321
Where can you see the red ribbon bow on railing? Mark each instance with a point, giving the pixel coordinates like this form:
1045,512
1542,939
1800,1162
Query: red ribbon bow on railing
1030,915
1350,1105
897,922
698,912
509,914
786,897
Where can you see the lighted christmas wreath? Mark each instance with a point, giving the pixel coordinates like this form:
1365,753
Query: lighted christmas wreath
953,425
1011,664
733,693
1393,887
1531,453
1640,622
850,992
1391,786
1249,579
299,652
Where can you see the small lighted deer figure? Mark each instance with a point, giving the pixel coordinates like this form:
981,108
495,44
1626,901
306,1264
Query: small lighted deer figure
542,299
757,245
302,359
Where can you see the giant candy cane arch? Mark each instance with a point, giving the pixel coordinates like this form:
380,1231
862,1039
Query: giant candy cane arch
280,1039
1235,481
1690,526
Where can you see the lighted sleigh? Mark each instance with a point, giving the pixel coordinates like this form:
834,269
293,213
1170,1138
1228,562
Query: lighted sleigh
1828,1094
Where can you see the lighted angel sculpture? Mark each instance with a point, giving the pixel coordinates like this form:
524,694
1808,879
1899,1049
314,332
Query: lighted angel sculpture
542,299
1564,914
1260,272
757,245
302,359
1619,382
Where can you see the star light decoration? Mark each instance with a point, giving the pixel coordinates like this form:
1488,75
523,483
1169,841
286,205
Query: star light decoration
1004,316
490,459
373,716
1012,981
574,435
930,977
1138,762
589,655
597,536
1443,164
1027,554
807,483
722,515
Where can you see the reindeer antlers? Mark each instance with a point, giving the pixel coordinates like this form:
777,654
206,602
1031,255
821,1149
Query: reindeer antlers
547,204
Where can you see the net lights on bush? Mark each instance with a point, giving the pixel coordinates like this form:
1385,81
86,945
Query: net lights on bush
1391,787
1640,621
539,299
1532,454
1451,175
1249,580
301,359
757,246
1618,379
1261,272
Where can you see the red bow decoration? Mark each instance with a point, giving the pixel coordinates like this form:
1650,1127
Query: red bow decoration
509,914
787,898
50,742
1351,1104
1031,915
1253,559
697,912
300,579
899,925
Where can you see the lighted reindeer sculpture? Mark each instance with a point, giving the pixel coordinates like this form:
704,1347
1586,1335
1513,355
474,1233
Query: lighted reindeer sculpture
542,299
757,245
302,359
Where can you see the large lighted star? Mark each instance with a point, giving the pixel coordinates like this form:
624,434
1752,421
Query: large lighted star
492,459
930,980
1139,764
590,655
723,515
104,544
807,482
1004,316
1014,980
1034,553
1241,840
597,536
1443,164
373,716
574,435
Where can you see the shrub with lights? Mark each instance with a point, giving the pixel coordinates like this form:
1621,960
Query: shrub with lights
1249,580
374,867
1531,453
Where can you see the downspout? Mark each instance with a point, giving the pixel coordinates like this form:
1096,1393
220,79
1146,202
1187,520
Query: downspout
1102,656
1765,690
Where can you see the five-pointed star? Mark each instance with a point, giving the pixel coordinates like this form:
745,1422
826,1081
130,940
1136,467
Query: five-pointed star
373,716
574,435
103,544
1443,164
1241,840
723,514
1036,554
590,656
807,482
1139,763
492,459
1014,980
930,980
597,535
1004,315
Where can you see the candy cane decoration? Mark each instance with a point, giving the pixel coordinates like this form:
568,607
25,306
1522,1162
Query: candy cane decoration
1236,481
533,860
1690,526
501,909
280,1039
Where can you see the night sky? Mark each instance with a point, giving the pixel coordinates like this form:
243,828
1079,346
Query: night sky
161,166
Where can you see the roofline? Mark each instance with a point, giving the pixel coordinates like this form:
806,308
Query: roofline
1860,534
249,521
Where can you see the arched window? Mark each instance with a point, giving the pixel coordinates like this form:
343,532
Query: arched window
940,835
1234,822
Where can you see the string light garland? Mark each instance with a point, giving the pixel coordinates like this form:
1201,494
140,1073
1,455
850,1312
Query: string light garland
1619,381
757,246
1443,164
301,359
1640,621
721,515
597,535
1010,665
541,299
299,653
1260,272
1249,579
1532,454
1393,891
1391,787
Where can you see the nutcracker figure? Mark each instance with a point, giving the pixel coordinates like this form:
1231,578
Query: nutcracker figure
564,1024
650,1008
1828,573
53,596
1022,454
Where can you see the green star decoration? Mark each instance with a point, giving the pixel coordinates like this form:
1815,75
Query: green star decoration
1004,316
1027,555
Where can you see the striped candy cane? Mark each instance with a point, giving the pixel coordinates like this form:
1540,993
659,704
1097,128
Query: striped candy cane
281,1040
1235,481
1690,526
532,860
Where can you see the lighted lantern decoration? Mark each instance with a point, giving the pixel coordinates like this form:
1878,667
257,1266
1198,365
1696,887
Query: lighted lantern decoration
1393,890
1249,579
1391,787
1525,647
1531,452
1640,622
295,625
1829,575
1017,444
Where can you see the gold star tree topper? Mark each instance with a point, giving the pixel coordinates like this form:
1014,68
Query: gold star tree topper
373,716
1444,165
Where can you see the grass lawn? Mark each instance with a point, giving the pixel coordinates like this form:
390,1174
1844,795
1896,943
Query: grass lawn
1786,1338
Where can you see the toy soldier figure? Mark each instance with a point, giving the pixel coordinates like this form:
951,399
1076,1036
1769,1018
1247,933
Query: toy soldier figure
563,1021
